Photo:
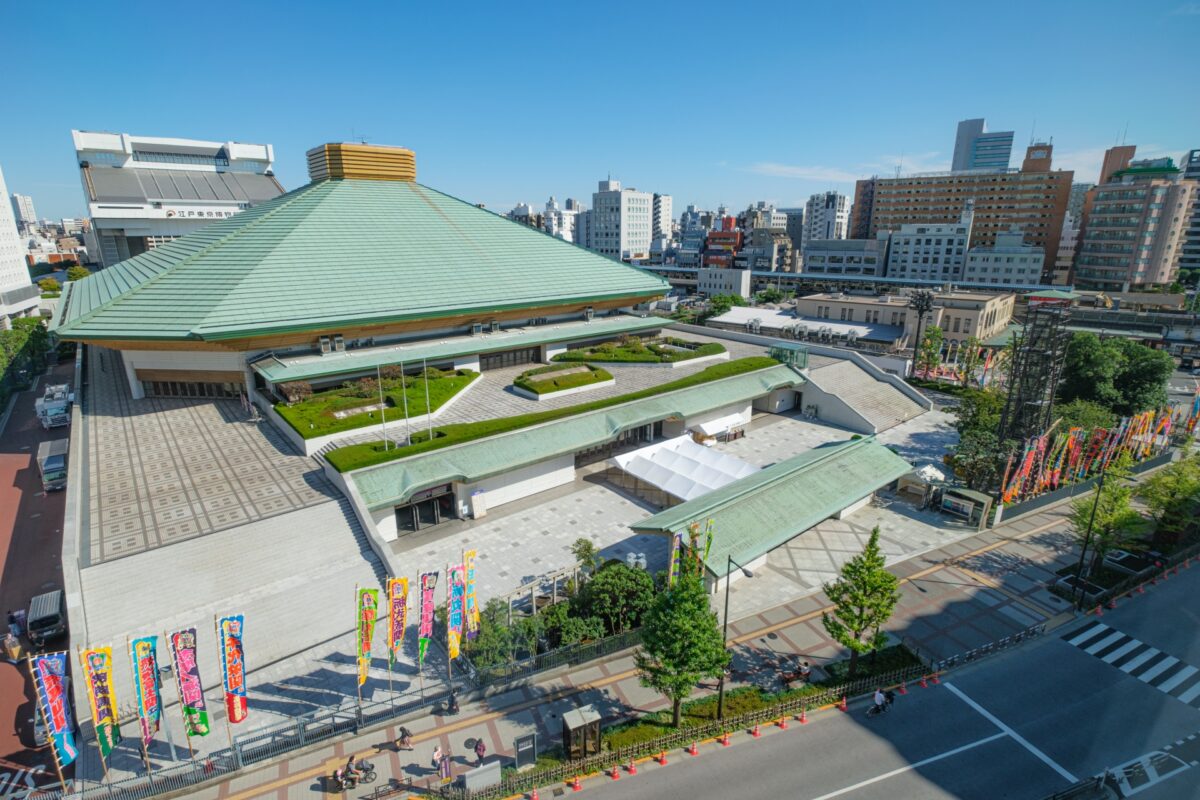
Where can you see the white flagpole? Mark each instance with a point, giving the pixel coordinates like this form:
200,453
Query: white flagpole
428,410
404,394
382,408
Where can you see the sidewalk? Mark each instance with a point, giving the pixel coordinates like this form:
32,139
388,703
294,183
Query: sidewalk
953,599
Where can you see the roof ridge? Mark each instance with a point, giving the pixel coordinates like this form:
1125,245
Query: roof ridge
287,200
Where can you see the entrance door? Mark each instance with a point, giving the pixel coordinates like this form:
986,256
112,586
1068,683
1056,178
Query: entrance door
427,515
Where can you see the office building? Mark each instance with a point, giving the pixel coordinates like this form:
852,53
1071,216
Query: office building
621,224
19,297
1135,228
1116,159
860,211
662,225
1034,198
1064,265
144,191
847,256
1077,199
826,216
1008,261
794,226
960,315
715,281
23,213
1189,251
765,250
977,148
931,251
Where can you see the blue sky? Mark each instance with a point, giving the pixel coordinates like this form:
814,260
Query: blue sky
506,102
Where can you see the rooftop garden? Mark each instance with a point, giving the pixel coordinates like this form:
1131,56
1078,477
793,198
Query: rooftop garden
357,456
558,377
634,350
356,404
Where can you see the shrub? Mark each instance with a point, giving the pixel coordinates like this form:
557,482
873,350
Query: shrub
50,285
433,373
366,387
881,662
296,391
391,372
77,272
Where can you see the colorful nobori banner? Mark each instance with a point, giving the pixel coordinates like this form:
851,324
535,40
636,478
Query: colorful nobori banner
97,676
233,666
471,607
397,615
144,652
425,625
50,675
676,555
187,676
367,605
456,589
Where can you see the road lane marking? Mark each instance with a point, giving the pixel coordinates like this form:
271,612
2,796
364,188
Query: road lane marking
1105,642
1158,669
1177,678
1021,740
1124,649
1089,633
910,767
1191,693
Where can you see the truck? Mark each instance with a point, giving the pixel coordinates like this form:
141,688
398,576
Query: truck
54,406
52,461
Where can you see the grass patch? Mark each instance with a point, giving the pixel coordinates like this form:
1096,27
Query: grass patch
315,416
51,295
956,389
357,456
632,350
544,380
889,659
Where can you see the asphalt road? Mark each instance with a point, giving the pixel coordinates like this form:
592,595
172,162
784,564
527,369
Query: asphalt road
1021,725
30,563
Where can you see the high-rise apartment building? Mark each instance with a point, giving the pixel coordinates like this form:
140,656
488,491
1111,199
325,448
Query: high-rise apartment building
794,226
143,191
931,252
1116,159
23,212
977,148
621,224
662,224
826,216
1135,228
1078,197
1034,198
860,211
19,297
559,221
1189,251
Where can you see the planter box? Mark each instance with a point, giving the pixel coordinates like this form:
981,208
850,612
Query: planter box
659,364
562,392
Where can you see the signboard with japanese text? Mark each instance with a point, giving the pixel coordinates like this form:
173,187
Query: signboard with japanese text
97,676
187,676
471,607
397,615
454,612
50,675
425,625
233,666
367,605
144,652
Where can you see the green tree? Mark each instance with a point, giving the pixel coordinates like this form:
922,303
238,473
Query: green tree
1083,414
493,644
1087,371
771,294
681,643
586,554
978,459
929,354
969,359
77,272
618,595
863,599
1141,376
720,303
1173,497
37,342
979,410
49,285
1116,524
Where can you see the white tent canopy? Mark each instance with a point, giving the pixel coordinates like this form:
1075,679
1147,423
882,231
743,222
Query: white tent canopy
720,424
682,468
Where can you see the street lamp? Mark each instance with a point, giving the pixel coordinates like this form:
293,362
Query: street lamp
729,565
1087,540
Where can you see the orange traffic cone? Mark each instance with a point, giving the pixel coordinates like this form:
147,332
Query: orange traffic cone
632,766
1112,602
803,716
1141,589
842,705
725,739
924,685
662,758
533,794
693,751
615,774
902,689
575,787
936,679
783,725
756,733
1099,612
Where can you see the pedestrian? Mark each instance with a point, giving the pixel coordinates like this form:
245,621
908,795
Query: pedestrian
480,751
805,671
437,758
13,627
404,739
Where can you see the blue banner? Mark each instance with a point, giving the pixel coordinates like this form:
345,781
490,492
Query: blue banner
50,672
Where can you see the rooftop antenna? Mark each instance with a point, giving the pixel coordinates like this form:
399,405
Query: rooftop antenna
1033,133
354,137
1125,133
900,165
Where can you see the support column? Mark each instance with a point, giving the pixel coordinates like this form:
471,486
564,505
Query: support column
135,386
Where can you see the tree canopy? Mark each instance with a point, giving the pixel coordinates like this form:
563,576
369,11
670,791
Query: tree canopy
929,354
863,598
720,303
1115,524
1173,496
618,595
1119,374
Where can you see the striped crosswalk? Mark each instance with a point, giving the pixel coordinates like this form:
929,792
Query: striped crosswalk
1148,664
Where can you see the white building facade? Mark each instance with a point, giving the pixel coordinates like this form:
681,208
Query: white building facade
19,297
143,191
826,216
621,224
711,281
931,252
1009,261
22,205
662,225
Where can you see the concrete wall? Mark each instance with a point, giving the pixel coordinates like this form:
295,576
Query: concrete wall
831,408
777,401
174,359
367,520
850,509
519,483
672,428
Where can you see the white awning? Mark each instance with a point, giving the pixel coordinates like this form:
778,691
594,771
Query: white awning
682,468
720,425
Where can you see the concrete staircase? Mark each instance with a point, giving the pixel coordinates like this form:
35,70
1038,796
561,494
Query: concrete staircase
882,404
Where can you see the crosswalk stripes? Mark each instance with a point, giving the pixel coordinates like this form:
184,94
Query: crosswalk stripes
1136,658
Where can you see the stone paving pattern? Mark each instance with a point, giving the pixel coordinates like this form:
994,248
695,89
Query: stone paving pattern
163,471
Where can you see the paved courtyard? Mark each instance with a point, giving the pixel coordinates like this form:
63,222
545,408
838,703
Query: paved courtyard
162,471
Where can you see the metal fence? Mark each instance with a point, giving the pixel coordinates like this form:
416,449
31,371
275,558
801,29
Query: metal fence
568,656
989,649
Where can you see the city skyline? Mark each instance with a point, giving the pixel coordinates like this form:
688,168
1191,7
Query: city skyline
566,123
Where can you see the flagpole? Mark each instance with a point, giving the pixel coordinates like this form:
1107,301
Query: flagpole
382,408
428,410
357,648
391,645
224,681
404,395
143,724
45,721
187,728
449,610
91,706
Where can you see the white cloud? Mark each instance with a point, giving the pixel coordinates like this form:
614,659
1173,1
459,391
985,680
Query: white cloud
1086,162
931,161
1187,10
826,174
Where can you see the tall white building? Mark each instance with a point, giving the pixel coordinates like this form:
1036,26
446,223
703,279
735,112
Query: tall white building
662,225
19,297
931,252
560,220
143,191
621,224
23,212
826,216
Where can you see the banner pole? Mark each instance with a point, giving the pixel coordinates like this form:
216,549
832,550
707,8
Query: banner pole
137,692
45,721
449,608
224,667
358,671
391,644
91,707
187,728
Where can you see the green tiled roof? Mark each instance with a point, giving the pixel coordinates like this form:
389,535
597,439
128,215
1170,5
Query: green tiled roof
339,253
392,483
756,514
1054,294
1005,336
308,367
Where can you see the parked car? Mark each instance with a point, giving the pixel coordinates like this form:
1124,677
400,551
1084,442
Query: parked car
47,617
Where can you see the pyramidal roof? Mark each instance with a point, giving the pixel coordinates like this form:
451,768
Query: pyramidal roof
340,253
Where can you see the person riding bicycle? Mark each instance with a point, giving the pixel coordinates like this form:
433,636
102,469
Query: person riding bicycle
351,769
880,700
